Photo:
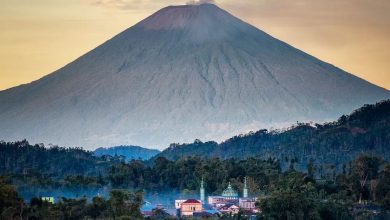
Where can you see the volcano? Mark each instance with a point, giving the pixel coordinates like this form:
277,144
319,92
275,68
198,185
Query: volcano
186,72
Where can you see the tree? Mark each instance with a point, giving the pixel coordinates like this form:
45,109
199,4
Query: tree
135,203
73,209
98,207
383,188
159,214
365,168
386,201
117,202
311,170
332,210
9,199
373,189
292,198
125,204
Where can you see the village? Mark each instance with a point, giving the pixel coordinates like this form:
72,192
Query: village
228,203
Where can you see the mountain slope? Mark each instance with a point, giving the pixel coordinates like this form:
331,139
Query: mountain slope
129,152
365,130
185,72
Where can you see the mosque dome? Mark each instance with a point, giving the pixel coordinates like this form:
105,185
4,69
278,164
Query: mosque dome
229,192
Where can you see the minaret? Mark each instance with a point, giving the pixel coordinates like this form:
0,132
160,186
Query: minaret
245,191
202,194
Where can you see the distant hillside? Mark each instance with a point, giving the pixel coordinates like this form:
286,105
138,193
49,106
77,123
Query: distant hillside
365,130
129,152
21,157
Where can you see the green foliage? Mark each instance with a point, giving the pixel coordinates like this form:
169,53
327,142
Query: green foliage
9,199
365,168
365,130
335,182
121,205
35,168
382,192
292,198
296,197
185,174
72,209
55,162
288,195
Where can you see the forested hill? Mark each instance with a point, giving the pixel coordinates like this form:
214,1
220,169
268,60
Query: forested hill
365,130
129,152
54,162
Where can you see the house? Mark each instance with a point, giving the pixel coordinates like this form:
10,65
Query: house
151,211
205,214
230,209
178,203
190,206
209,210
247,203
147,209
216,201
229,202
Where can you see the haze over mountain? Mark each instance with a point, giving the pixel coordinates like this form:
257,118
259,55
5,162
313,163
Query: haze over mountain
129,152
185,72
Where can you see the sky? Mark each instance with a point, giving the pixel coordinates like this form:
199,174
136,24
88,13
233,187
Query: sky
38,37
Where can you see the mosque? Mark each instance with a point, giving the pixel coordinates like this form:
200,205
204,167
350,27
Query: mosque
229,202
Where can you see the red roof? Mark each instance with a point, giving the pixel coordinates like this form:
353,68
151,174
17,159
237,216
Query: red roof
192,201
147,213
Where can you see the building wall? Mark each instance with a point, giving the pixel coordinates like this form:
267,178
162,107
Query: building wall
234,209
178,203
247,204
213,200
188,209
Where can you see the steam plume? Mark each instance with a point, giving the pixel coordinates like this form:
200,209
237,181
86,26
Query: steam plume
199,2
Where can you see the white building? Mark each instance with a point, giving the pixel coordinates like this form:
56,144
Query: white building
247,203
178,203
216,201
230,202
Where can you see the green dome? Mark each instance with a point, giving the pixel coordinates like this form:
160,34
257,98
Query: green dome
229,192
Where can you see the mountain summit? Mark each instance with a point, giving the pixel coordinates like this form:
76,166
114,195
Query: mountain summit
185,72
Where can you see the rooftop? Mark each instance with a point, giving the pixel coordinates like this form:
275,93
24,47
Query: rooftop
191,201
229,192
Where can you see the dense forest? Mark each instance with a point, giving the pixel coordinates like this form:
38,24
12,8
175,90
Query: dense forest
57,171
22,158
120,205
337,170
283,195
29,166
365,130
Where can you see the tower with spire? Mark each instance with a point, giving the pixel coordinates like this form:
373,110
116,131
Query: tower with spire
245,190
202,192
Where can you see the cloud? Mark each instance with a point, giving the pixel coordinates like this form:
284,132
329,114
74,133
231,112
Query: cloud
119,4
143,4
131,4
199,2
